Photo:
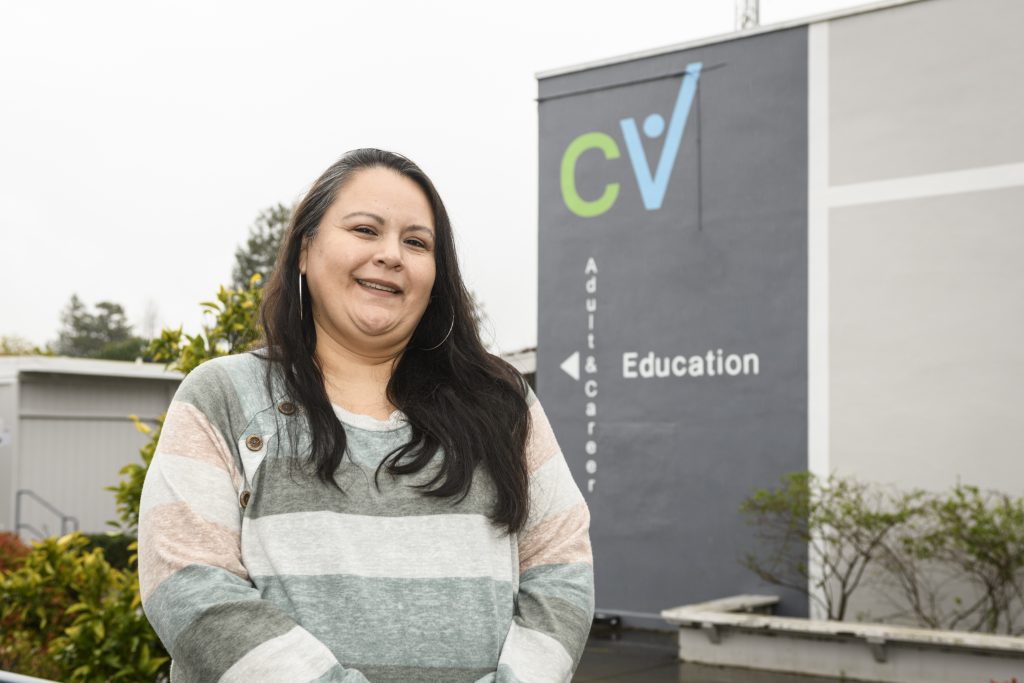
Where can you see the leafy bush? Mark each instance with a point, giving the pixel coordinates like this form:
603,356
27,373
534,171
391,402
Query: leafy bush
843,524
68,615
36,598
962,564
116,547
128,491
20,649
12,551
955,559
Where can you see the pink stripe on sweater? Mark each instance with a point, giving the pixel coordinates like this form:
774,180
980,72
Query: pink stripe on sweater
173,536
188,432
559,539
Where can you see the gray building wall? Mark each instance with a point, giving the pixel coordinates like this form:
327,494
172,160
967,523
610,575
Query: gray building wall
9,427
74,435
665,462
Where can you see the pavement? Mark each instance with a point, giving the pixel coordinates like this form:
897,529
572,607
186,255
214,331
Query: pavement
636,656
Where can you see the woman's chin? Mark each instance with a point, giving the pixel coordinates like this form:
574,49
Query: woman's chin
384,331
387,331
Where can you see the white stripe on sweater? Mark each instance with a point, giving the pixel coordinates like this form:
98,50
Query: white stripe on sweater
418,547
535,657
295,656
207,489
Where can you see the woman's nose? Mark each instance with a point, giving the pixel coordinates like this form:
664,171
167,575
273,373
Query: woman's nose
389,253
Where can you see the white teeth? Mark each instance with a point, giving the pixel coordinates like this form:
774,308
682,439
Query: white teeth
374,285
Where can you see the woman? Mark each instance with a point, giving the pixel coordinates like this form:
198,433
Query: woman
371,495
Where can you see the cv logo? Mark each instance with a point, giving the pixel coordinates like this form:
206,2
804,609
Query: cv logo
652,184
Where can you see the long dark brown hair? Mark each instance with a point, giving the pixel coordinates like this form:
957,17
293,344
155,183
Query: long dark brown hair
456,397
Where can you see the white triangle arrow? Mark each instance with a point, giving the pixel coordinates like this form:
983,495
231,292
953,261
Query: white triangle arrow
571,365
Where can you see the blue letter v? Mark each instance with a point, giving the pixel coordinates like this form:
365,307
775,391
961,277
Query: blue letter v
653,189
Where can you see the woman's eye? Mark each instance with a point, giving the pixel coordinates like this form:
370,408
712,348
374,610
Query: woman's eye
419,244
366,230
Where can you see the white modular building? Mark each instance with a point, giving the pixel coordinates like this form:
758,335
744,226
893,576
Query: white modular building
65,432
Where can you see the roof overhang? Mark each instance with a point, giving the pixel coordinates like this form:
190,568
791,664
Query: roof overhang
12,367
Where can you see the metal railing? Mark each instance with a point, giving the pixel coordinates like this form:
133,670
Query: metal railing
68,523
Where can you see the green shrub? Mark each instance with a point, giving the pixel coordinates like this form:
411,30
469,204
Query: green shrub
841,523
116,547
70,616
961,566
951,560
12,551
36,597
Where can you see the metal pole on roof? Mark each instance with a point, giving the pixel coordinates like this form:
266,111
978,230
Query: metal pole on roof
747,14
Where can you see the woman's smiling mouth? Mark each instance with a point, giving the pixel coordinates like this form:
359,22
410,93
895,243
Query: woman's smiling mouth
379,286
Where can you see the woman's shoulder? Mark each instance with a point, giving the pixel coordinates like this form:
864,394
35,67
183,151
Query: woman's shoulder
240,373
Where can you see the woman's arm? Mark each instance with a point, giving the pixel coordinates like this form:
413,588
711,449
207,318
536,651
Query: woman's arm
195,590
555,603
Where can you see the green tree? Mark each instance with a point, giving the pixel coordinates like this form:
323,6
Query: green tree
104,333
235,329
260,250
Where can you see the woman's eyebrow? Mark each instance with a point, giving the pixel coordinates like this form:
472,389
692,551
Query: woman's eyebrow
420,228
364,213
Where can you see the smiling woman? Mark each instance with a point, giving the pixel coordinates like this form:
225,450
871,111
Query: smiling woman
370,495
370,268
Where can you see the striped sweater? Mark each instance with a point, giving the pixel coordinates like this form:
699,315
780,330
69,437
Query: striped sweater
252,570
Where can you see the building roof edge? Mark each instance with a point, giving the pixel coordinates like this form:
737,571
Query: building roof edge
13,366
723,37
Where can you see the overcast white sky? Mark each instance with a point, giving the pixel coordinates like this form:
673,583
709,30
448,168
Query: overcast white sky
138,140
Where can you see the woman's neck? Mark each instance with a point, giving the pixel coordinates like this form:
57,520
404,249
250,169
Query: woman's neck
356,381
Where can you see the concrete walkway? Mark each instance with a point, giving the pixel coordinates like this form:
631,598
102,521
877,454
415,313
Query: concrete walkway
629,656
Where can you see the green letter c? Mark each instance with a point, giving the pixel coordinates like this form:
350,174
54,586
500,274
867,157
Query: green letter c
577,204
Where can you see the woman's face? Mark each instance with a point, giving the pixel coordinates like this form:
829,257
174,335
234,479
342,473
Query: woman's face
370,268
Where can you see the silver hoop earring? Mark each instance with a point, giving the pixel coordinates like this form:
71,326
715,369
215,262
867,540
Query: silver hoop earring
450,328
300,295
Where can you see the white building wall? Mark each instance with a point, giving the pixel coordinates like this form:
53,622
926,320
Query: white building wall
928,341
925,199
74,437
916,205
69,462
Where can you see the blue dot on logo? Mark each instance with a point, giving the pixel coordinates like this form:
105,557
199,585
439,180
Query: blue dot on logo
654,125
